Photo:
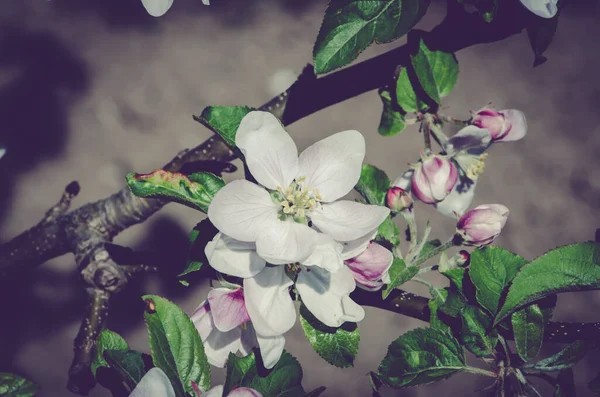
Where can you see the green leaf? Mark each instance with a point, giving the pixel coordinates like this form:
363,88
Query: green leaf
350,26
317,392
564,269
455,302
392,120
540,33
337,346
128,363
224,120
373,184
456,277
405,94
283,380
491,271
475,333
528,328
175,345
12,385
438,297
388,231
399,274
428,247
566,358
437,71
421,356
565,384
106,340
196,190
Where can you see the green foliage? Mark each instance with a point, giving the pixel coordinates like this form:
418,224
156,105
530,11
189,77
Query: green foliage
283,380
388,231
392,119
12,385
475,333
373,184
491,271
350,26
438,297
195,190
128,363
568,268
436,71
421,356
175,345
528,328
405,94
337,346
106,340
224,120
566,358
399,274
429,246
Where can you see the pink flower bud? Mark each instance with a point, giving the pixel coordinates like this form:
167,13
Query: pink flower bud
398,200
481,226
504,125
434,179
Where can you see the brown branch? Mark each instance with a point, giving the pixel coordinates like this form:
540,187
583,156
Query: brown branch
86,230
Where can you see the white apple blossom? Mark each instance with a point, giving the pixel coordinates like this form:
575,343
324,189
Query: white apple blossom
158,8
542,8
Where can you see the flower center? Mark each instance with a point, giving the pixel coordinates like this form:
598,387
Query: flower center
298,199
477,167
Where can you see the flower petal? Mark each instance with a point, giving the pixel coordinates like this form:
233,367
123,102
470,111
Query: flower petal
157,8
327,254
241,210
348,220
154,384
372,264
244,392
271,348
233,257
356,247
270,152
404,181
459,199
202,319
268,301
471,139
286,241
518,125
227,308
542,8
333,165
324,295
216,391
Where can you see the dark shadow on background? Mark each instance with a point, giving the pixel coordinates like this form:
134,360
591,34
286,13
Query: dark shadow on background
43,79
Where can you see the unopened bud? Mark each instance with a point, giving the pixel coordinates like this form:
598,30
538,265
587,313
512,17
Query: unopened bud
398,199
504,125
480,226
434,179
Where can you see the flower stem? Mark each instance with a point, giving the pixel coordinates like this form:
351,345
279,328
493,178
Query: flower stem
449,119
409,217
414,253
421,281
479,371
425,129
434,252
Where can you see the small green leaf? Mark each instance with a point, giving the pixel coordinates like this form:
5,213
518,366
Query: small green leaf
175,345
128,363
566,358
392,120
528,328
224,120
196,190
388,231
456,277
491,271
437,71
455,302
428,247
12,385
317,392
283,380
350,26
564,269
405,94
565,384
399,274
475,331
421,356
438,297
106,340
337,346
373,184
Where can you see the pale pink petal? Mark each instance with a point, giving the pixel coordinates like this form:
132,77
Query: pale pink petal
268,301
324,295
154,384
270,152
356,247
233,257
333,165
271,348
348,220
518,125
457,202
242,210
327,254
157,8
244,392
286,241
371,265
227,308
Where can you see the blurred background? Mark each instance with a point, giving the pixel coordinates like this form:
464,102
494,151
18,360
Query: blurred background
93,89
